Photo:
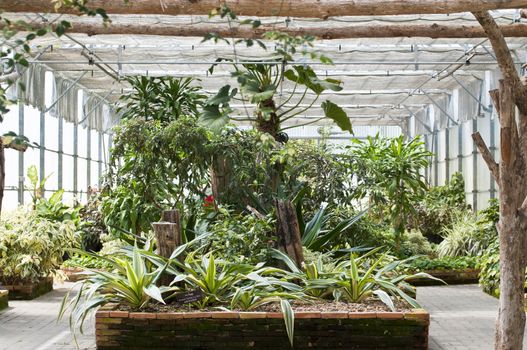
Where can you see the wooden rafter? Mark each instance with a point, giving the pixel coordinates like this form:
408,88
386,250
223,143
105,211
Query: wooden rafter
354,31
291,8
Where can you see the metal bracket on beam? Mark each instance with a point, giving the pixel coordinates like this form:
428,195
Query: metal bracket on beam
94,108
418,119
485,108
441,108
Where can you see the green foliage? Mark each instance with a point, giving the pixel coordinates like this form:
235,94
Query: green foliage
355,279
32,246
445,263
164,99
439,206
131,282
154,167
86,262
316,234
53,208
241,237
468,235
367,232
489,263
414,243
91,224
259,84
258,170
389,171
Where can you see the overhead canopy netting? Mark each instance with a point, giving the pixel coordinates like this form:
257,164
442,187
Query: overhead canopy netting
385,80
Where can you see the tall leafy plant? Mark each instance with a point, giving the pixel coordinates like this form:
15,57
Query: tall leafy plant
260,83
390,173
161,98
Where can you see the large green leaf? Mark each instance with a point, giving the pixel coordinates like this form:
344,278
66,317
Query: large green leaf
337,114
223,96
307,77
213,118
289,319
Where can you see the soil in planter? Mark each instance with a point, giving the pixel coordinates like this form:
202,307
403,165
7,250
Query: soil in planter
369,305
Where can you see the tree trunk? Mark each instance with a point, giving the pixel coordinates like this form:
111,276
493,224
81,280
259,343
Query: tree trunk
2,175
272,8
512,182
270,124
512,227
288,231
510,325
220,178
168,237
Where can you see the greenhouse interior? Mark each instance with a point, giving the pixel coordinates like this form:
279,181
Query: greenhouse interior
317,174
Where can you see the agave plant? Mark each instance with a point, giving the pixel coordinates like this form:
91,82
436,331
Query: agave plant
315,234
132,282
215,278
356,279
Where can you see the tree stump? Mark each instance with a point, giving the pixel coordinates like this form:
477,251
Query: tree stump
168,237
288,231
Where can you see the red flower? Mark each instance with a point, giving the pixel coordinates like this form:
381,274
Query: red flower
209,201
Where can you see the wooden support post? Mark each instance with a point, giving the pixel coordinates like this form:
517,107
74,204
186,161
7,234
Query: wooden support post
288,231
168,237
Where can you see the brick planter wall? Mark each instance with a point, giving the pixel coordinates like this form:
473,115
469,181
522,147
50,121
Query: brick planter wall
73,274
4,301
28,291
466,276
260,330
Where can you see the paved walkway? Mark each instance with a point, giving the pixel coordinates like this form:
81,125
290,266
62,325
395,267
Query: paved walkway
32,325
462,318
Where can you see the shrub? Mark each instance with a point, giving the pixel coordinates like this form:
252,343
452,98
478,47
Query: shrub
242,237
91,225
446,263
414,243
436,211
463,238
32,247
489,263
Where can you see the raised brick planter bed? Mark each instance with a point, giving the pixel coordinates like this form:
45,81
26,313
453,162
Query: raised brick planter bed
260,330
73,274
467,276
29,291
4,301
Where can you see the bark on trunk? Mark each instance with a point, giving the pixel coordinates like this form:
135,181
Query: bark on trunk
288,231
268,124
512,182
272,8
220,178
510,325
2,175
168,237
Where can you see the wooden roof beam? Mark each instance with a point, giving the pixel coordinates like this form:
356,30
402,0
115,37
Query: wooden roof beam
347,32
285,8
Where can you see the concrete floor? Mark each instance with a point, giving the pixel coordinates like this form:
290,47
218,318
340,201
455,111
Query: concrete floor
462,318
